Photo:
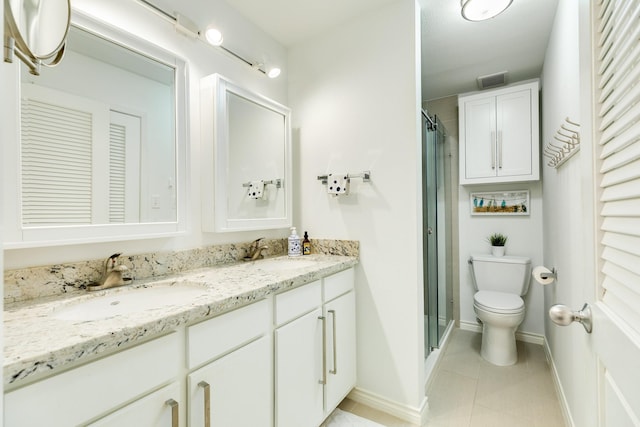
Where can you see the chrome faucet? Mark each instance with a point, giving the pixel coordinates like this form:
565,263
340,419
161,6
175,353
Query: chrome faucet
112,275
255,250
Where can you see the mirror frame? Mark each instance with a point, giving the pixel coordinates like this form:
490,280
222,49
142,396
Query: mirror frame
215,136
18,236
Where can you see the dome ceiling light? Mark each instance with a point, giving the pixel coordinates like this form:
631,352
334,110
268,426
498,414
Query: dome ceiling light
480,10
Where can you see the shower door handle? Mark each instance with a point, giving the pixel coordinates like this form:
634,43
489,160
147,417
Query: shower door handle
429,230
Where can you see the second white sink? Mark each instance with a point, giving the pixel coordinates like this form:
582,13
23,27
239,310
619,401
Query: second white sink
127,301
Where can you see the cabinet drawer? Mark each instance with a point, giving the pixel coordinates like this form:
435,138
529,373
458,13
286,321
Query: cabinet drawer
151,410
94,388
338,284
295,303
215,337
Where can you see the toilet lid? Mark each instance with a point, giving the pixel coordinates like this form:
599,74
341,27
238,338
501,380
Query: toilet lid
498,302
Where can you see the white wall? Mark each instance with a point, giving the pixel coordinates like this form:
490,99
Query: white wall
524,239
134,18
568,209
355,99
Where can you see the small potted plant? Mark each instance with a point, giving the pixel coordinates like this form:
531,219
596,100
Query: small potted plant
497,241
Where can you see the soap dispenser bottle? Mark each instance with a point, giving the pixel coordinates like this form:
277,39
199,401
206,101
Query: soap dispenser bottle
295,248
306,244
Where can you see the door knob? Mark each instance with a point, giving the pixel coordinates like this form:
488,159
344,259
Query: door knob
563,316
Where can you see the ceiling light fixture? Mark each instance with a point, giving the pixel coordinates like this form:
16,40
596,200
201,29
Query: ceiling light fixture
480,10
213,36
273,72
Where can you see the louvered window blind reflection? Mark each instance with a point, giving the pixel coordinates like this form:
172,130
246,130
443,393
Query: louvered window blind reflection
56,164
618,108
117,172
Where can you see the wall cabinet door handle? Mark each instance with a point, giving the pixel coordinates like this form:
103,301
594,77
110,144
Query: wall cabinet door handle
500,149
207,402
493,150
323,380
334,371
174,412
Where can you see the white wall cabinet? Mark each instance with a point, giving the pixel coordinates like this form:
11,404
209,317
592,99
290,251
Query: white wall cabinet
499,135
316,351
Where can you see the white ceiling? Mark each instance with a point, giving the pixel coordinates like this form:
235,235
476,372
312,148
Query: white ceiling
455,51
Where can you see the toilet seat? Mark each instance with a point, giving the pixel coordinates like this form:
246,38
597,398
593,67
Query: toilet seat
498,302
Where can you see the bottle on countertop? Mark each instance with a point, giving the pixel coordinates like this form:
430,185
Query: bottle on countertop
295,248
306,244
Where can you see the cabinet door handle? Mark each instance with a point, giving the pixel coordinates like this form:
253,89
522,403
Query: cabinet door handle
323,380
334,371
174,412
493,150
207,402
500,149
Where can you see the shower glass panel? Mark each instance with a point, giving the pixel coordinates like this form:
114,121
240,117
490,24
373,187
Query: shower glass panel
437,232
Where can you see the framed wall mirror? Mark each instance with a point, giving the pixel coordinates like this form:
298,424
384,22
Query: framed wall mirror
102,141
247,151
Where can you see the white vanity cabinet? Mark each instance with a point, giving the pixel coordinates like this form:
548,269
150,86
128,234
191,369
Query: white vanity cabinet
314,349
81,395
499,135
234,387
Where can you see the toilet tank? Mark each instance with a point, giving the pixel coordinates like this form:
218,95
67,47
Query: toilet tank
503,274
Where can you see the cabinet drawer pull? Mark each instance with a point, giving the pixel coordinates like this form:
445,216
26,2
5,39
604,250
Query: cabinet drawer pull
323,380
334,371
493,150
207,402
174,412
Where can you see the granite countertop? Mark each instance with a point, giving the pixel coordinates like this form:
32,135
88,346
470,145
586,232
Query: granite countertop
36,342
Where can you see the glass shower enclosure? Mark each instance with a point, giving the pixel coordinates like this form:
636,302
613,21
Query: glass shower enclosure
436,206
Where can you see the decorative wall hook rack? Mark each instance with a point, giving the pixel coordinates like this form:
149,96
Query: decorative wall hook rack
276,182
568,135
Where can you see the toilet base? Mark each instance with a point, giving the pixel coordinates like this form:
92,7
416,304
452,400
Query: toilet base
499,345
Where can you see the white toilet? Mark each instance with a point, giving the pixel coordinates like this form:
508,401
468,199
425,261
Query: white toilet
500,283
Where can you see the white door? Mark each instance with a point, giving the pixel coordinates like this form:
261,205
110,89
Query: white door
611,353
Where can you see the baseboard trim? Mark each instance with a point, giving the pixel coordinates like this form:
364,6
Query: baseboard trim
564,405
404,412
520,335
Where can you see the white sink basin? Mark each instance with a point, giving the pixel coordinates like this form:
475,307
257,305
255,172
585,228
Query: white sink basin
127,302
283,264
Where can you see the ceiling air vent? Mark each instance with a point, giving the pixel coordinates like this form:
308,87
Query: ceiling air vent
492,80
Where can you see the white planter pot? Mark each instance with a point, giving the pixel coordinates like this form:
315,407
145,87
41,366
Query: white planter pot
497,250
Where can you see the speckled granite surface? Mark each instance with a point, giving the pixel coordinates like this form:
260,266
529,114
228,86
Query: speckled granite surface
72,278
36,342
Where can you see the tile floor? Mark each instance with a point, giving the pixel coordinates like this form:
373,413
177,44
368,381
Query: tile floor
469,392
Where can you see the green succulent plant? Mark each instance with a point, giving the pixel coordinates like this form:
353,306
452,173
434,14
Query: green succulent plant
497,239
